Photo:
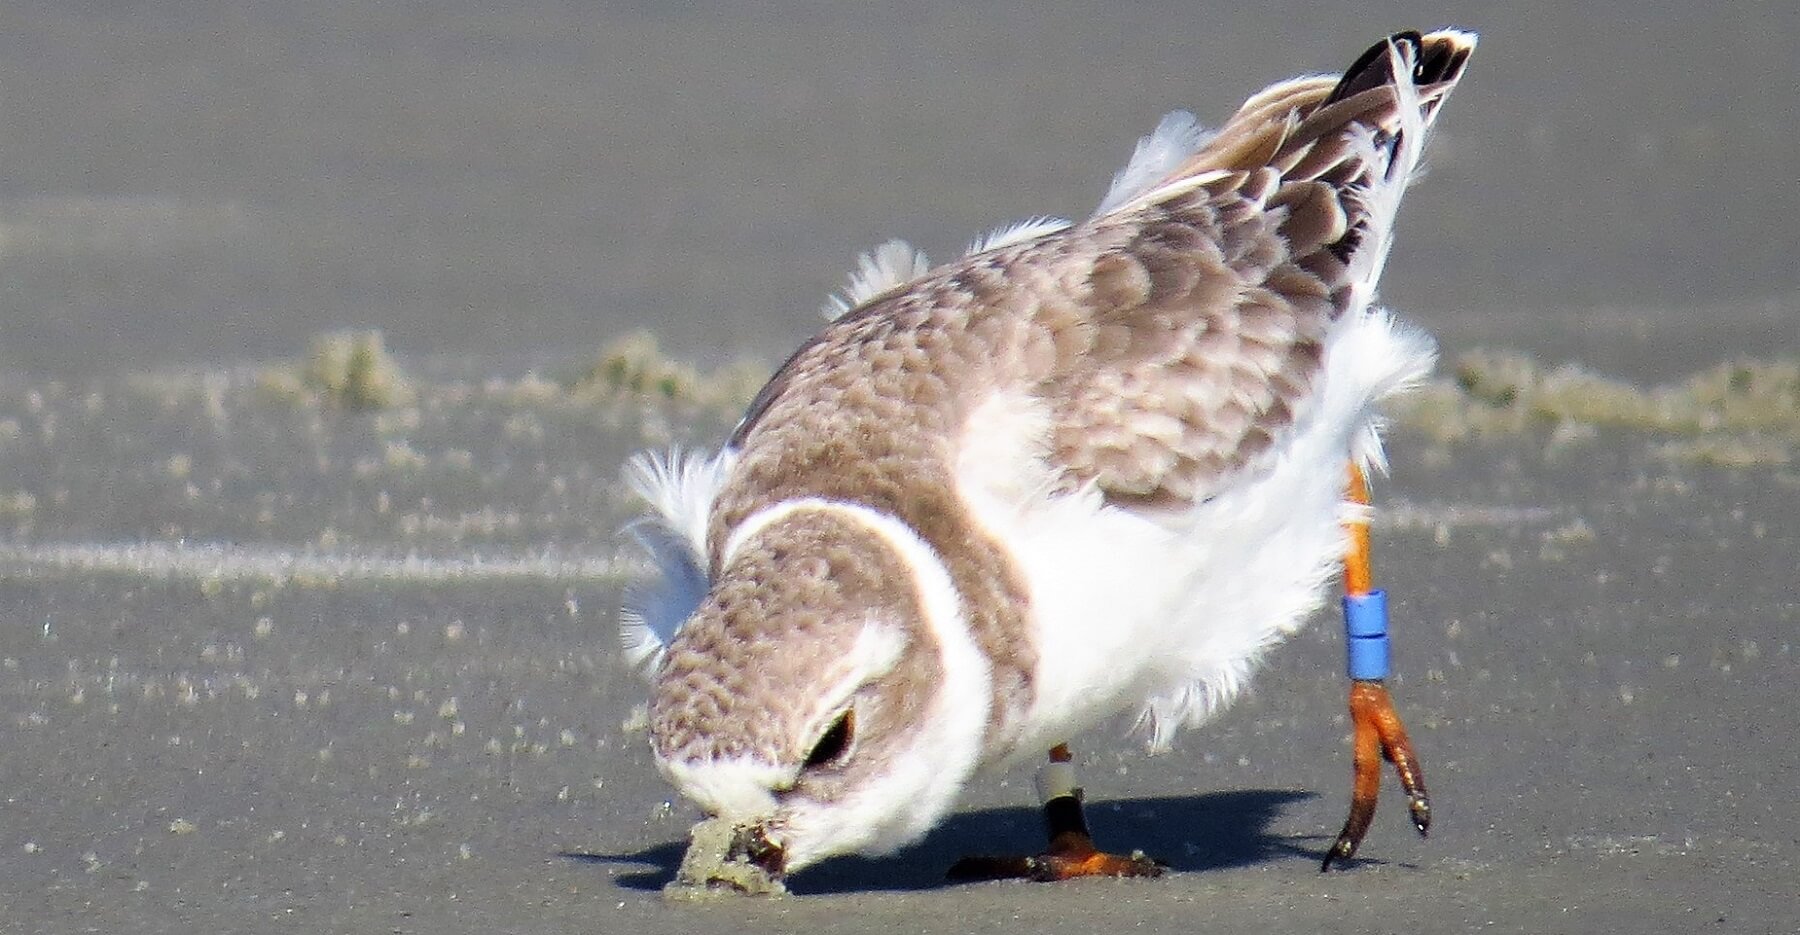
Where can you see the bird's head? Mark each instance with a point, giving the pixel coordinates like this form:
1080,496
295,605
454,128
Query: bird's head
826,696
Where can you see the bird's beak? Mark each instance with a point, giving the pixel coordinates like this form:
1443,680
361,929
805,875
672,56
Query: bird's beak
752,843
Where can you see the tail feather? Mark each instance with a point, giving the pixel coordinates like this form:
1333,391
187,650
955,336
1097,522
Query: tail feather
1336,153
1285,119
1374,68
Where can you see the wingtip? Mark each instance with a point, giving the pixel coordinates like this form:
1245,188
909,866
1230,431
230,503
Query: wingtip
1438,57
1454,36
1443,53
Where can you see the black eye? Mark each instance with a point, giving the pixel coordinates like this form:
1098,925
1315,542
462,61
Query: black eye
836,742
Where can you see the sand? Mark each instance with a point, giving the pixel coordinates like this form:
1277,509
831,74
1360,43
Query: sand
710,870
303,629
260,670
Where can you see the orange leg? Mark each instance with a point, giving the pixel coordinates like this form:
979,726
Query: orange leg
1072,852
1377,731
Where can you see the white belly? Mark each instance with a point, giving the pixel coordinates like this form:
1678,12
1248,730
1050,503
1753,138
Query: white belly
1169,615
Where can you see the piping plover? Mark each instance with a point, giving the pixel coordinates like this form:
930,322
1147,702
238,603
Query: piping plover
1087,468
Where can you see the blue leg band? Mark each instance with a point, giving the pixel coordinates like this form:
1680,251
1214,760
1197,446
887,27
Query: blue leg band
1365,629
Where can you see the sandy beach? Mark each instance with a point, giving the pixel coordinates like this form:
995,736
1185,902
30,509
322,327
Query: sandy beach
368,679
273,662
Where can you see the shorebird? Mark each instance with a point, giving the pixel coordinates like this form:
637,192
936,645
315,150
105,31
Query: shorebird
1086,469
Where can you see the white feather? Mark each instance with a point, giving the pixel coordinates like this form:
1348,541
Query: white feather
1253,563
921,784
889,266
1281,89
1173,612
1289,523
738,787
654,609
1177,137
679,486
735,787
1016,232
1391,166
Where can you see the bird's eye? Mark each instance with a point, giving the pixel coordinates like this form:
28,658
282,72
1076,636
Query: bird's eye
835,744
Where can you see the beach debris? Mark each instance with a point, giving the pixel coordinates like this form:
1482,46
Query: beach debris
718,865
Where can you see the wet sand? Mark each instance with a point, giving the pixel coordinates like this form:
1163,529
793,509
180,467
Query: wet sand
269,665
360,674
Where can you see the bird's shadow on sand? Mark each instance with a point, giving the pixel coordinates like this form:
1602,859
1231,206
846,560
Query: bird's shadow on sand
1189,833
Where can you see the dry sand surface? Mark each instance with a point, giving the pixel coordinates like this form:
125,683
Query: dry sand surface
357,672
320,648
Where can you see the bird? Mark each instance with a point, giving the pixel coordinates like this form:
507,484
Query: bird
1089,468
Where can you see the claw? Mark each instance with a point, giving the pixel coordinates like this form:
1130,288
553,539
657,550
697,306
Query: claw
1052,867
1379,735
1072,852
1060,863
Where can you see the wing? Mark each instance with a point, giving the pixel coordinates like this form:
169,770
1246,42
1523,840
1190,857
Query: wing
1206,323
1171,340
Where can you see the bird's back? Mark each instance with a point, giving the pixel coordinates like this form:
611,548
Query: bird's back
1173,338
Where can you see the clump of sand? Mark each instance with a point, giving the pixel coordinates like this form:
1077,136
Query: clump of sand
710,869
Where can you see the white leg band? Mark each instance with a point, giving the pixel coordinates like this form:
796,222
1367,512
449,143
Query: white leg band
1054,781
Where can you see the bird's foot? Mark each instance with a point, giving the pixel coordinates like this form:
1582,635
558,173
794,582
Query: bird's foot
1072,852
1069,857
1378,735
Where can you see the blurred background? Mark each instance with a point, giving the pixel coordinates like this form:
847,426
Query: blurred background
503,184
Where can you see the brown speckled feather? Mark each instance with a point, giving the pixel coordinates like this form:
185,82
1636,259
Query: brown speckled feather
1172,341
738,648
